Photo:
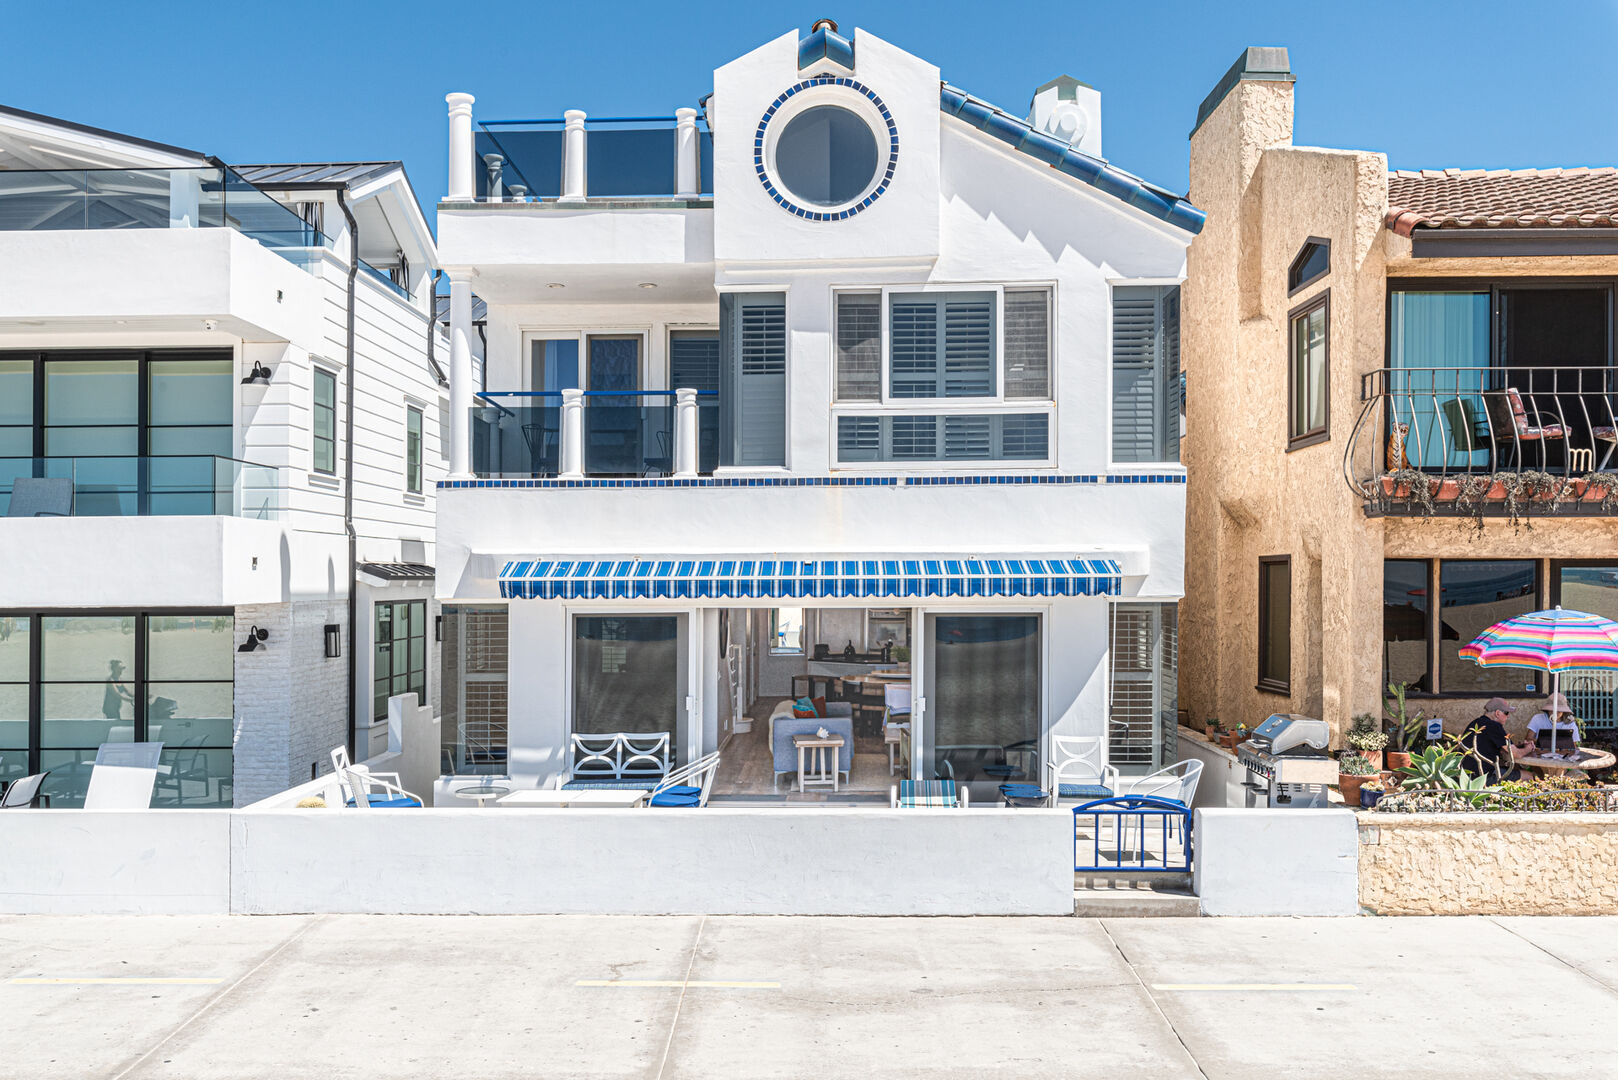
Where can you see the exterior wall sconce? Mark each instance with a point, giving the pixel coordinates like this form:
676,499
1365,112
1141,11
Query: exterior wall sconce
255,639
334,641
438,627
260,375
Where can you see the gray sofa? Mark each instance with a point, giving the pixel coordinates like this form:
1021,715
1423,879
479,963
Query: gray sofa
839,721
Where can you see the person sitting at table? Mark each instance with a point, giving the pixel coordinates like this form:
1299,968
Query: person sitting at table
1485,741
1556,715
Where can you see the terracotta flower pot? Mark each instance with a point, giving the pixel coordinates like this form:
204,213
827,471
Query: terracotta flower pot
1395,760
1447,490
1375,757
1350,787
1496,492
1594,492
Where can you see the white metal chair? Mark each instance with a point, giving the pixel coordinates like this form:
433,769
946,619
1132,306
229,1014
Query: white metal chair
896,723
368,791
689,785
1177,782
1079,771
22,792
341,765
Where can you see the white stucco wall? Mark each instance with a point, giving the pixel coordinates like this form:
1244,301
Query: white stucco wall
1277,862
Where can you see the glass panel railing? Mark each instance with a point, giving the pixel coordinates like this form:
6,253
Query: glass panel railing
625,435
153,199
122,486
626,157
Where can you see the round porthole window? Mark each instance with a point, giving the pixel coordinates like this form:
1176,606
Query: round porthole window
826,156
826,149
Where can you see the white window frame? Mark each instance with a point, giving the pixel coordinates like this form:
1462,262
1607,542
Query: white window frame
582,335
998,403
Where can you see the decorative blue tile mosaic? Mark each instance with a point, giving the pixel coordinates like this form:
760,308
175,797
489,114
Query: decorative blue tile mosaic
784,198
969,479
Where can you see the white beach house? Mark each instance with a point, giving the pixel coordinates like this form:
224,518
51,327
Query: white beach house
840,368
219,431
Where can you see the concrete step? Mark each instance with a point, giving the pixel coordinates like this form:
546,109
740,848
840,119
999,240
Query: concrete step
1130,896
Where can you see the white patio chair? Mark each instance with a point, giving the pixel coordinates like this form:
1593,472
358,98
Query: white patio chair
896,723
689,785
341,765
1177,783
369,791
22,792
1079,771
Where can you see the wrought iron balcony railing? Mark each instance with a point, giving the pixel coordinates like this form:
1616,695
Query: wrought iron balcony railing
1486,440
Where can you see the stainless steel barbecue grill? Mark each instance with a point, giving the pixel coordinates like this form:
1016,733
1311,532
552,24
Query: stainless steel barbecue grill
1287,764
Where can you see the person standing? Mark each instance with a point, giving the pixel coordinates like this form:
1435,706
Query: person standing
1485,738
116,693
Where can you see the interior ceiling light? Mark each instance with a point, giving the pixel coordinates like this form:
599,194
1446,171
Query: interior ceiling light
556,285
648,284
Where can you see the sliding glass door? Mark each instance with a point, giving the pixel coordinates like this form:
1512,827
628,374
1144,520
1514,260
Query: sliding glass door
985,698
629,675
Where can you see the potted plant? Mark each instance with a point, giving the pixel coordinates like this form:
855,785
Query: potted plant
1365,737
1403,729
1353,769
1601,487
1372,790
1435,768
901,657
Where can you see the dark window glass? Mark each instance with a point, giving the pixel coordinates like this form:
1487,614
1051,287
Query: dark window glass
325,421
628,675
1474,596
1307,379
1405,623
1313,261
413,449
474,690
400,653
826,156
1275,624
985,709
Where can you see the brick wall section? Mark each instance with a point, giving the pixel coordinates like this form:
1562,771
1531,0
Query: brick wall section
1489,864
290,700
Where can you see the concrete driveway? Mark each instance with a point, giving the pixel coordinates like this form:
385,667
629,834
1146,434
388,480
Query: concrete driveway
559,997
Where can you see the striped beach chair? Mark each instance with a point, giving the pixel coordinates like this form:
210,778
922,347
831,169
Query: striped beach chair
928,793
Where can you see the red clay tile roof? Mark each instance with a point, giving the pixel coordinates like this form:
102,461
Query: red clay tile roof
1502,198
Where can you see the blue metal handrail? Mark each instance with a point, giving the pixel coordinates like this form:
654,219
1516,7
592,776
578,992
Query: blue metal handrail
1135,810
492,394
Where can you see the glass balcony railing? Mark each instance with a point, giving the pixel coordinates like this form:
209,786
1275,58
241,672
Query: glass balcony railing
625,434
180,486
33,201
628,157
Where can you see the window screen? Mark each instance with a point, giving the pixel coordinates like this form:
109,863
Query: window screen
1028,343
859,347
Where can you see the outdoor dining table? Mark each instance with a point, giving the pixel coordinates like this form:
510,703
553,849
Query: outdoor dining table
600,798
1582,759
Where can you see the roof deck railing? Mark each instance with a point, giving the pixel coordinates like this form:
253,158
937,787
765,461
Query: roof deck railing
574,159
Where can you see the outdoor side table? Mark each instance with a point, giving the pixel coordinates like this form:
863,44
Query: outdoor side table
813,755
482,793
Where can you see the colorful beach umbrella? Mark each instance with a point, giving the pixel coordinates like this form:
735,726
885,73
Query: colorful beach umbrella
1557,640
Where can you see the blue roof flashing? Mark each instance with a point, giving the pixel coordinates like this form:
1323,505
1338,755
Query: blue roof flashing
825,43
1021,136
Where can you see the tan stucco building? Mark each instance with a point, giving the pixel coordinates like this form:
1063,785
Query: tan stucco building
1336,316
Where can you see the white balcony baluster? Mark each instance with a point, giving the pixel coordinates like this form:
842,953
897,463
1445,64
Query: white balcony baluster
687,174
574,161
685,433
572,434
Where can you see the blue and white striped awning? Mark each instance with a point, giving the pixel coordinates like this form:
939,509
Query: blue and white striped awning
680,577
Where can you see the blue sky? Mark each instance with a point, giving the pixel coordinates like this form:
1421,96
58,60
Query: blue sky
1430,84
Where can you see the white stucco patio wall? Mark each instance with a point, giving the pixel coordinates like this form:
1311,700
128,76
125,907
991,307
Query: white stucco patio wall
1277,862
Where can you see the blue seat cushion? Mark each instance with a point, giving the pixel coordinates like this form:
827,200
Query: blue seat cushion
1083,791
669,798
1023,791
681,789
392,800
647,782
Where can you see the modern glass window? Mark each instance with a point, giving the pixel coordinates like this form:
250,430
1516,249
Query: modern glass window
401,653
475,650
325,422
786,630
1308,356
1312,262
1275,624
553,365
984,711
1143,646
1146,405
1405,623
119,677
412,449
1476,594
826,155
1580,586
859,346
16,409
1027,361
941,345
753,384
629,675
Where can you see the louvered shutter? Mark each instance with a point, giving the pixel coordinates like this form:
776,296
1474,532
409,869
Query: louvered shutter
942,345
694,360
968,345
913,328
753,354
1142,687
967,438
1146,373
1028,343
859,347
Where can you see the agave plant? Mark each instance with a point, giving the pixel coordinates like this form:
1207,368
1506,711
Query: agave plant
1434,767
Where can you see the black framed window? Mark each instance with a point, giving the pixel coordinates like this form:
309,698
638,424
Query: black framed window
1312,263
413,449
1309,373
70,682
1581,585
1275,624
401,653
325,422
1475,594
1406,640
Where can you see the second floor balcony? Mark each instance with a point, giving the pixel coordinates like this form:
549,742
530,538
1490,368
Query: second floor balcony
593,433
129,486
1479,441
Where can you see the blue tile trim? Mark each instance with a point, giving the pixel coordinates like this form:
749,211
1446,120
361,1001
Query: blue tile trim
967,479
1020,136
825,44
783,197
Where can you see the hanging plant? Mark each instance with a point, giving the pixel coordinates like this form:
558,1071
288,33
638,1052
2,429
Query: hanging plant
1410,485
1602,486
1475,491
1521,489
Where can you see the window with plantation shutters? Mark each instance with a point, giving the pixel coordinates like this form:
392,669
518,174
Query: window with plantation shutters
941,345
1027,363
1145,373
1142,687
859,347
753,384
694,360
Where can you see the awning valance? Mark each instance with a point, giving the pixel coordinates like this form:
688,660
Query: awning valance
680,577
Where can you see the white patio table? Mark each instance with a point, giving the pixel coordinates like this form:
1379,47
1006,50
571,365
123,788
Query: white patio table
600,798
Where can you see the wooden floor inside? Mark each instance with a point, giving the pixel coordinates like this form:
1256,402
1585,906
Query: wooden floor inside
747,771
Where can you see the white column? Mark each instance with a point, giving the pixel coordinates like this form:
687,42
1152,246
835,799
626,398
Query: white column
573,158
461,187
687,177
460,372
572,434
685,432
